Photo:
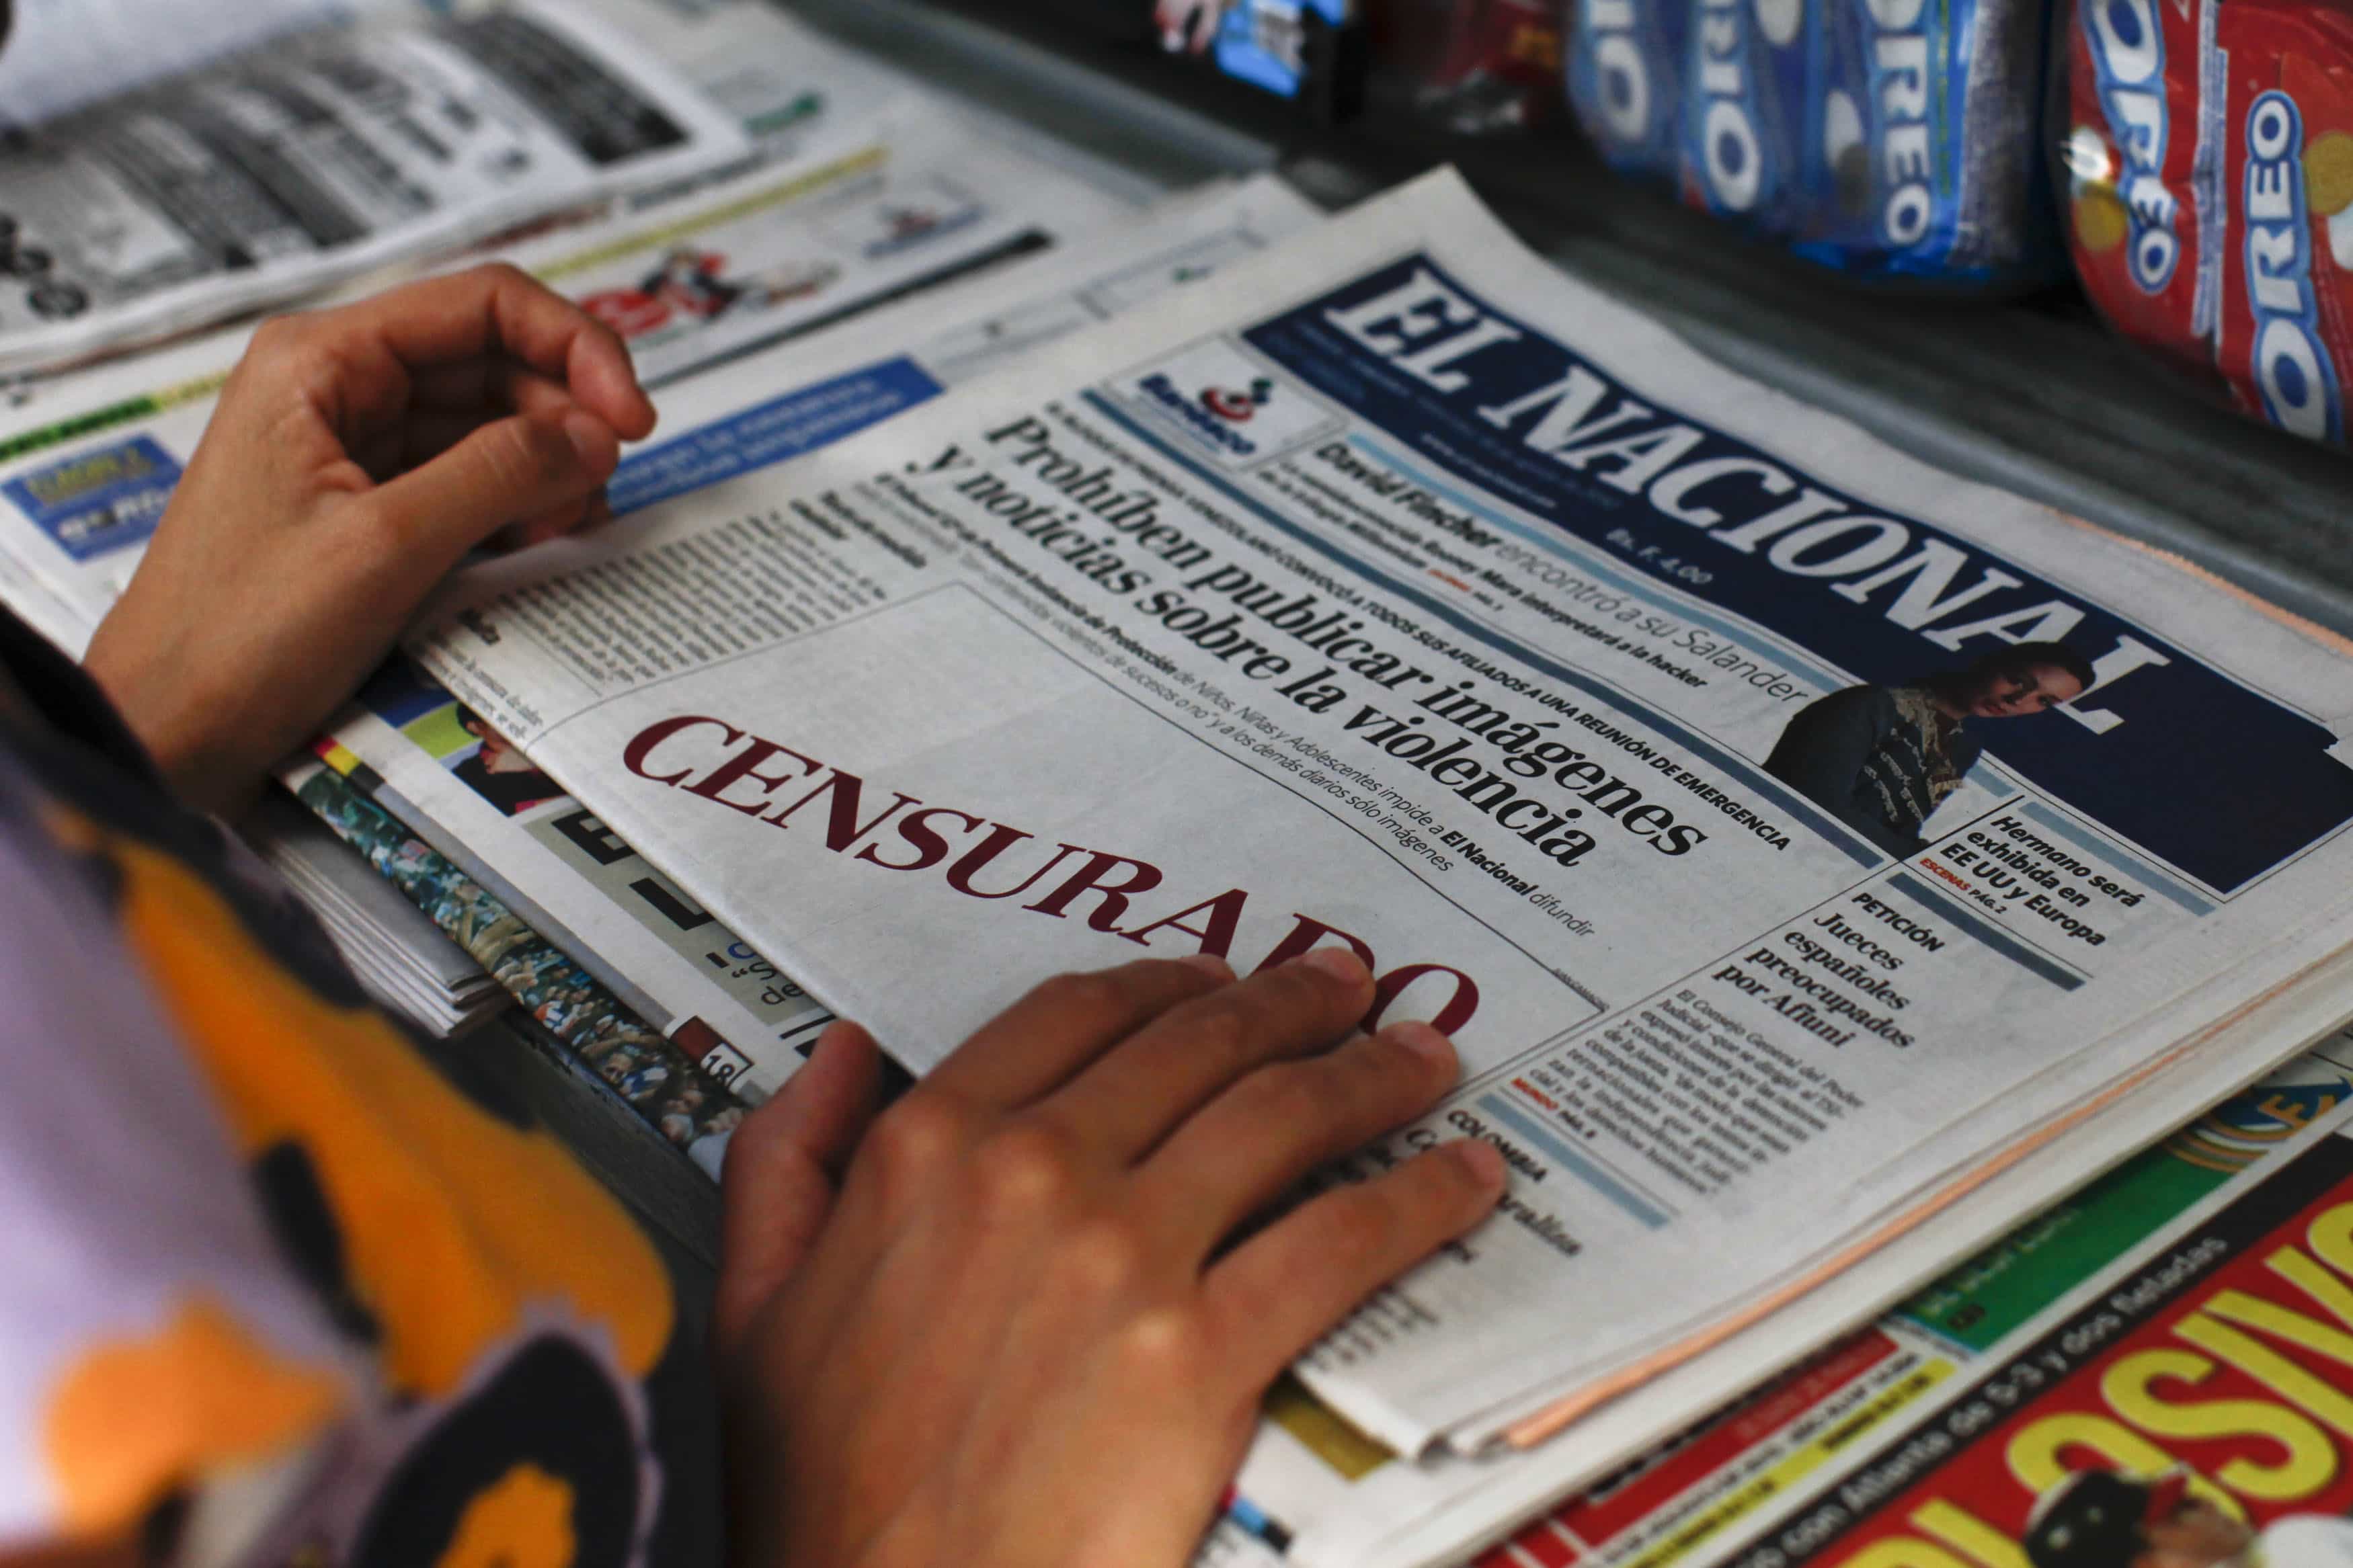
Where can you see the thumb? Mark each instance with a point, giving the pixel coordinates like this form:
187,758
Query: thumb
522,466
781,1166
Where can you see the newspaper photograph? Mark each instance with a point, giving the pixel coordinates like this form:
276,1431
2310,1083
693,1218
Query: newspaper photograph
483,804
320,154
1320,1495
889,208
1790,835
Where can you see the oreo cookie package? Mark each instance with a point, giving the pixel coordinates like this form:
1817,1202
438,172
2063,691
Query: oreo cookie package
1883,138
2207,153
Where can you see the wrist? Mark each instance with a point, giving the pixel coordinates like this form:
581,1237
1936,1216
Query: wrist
178,724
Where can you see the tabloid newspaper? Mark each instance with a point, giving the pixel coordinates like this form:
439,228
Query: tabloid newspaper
2189,1408
1635,721
323,152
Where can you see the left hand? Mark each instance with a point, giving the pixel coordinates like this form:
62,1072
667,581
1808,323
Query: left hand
354,457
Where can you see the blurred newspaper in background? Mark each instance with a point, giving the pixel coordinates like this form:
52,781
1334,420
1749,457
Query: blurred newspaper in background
319,155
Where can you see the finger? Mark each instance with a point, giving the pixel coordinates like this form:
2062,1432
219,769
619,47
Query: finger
562,520
1273,1296
429,429
508,470
1067,1022
1252,1142
1142,1089
780,1175
501,310
487,388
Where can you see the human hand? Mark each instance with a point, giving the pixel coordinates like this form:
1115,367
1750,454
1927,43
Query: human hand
355,455
1014,1337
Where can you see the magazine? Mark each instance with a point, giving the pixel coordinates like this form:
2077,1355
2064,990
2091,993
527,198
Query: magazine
1398,591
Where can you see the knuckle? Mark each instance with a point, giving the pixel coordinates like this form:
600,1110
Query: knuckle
1101,1260
916,1139
1026,1168
1167,1346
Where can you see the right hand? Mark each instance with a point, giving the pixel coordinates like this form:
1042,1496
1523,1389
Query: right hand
1017,1336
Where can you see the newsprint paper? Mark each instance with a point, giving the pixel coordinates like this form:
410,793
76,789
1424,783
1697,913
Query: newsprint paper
1396,590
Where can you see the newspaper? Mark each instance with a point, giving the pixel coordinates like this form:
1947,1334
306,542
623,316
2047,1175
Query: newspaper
568,875
1320,1495
393,947
1348,601
322,154
658,1077
2188,1409
64,55
884,206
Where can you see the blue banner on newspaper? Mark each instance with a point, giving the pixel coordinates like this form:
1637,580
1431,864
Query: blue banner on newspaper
98,500
800,421
2196,767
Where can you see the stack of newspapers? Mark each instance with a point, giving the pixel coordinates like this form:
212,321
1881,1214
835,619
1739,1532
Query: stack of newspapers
1862,899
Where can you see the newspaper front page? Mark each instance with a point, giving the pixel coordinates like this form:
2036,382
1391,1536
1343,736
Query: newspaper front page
1399,591
483,803
880,208
320,154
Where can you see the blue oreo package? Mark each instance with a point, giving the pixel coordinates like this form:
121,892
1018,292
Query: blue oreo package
1746,97
1890,139
1625,61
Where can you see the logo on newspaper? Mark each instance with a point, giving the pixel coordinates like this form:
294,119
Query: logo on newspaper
98,500
1224,402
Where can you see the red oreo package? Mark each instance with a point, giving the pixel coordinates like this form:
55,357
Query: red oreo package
2208,151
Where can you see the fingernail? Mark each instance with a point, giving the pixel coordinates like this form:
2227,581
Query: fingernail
1341,963
1208,963
1422,1040
1483,1162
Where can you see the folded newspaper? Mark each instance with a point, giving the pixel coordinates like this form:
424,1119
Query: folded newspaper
1795,837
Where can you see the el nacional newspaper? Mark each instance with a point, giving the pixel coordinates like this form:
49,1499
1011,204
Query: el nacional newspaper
1401,592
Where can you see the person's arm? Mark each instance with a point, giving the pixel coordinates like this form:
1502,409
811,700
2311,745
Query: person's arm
355,455
1017,1336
